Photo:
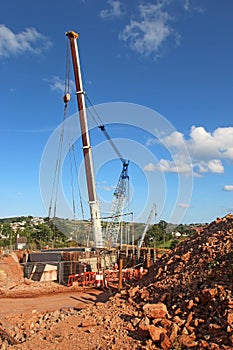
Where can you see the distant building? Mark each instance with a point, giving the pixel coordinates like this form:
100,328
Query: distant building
176,234
36,221
19,225
21,242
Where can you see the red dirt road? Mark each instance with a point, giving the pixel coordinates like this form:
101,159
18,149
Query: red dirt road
47,303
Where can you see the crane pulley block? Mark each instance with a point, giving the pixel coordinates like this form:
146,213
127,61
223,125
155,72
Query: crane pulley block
66,98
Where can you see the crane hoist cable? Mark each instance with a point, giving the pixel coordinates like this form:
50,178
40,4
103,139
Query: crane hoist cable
72,182
119,196
76,172
102,127
66,99
56,179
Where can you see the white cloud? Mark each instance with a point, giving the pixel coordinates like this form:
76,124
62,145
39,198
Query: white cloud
215,166
106,188
171,166
58,84
207,150
149,167
151,141
115,10
151,24
206,145
212,166
183,205
30,40
190,8
176,139
147,34
228,188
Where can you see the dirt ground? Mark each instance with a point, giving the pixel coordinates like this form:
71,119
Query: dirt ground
46,303
85,319
184,302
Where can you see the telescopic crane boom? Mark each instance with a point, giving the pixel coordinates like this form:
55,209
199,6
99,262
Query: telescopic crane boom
87,150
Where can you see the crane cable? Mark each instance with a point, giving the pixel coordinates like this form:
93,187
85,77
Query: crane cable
66,97
76,171
57,172
102,127
72,182
56,179
71,144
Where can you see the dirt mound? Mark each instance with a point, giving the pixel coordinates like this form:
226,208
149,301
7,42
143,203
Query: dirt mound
194,282
11,271
185,302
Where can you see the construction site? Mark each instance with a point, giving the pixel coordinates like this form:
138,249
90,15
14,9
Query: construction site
184,301
115,292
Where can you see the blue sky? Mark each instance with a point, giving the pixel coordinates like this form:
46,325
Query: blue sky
172,56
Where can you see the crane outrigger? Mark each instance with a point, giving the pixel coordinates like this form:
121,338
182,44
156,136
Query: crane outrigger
87,150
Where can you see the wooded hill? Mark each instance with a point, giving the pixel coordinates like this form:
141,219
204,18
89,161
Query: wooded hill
58,232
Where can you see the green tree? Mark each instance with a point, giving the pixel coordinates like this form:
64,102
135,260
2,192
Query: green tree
153,236
158,235
8,232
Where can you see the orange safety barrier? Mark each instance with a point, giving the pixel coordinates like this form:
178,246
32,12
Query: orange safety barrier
82,279
86,278
98,279
112,275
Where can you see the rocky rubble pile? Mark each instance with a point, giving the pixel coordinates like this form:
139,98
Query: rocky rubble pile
26,328
184,302
187,297
106,325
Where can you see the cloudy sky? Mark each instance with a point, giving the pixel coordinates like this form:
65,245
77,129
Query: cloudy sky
173,57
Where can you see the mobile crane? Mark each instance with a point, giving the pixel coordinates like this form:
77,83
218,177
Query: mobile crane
87,150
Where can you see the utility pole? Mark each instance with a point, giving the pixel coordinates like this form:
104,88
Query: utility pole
87,150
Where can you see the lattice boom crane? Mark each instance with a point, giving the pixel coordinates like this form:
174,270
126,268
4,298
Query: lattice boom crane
118,201
152,212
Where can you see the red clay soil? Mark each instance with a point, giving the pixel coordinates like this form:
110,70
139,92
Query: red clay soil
184,302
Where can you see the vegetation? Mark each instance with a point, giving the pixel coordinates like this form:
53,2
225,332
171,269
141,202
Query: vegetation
39,234
165,235
58,233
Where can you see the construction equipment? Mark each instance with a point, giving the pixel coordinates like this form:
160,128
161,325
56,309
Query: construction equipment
152,213
118,201
87,150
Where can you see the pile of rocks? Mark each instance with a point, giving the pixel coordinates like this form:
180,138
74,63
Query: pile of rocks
25,328
187,297
184,302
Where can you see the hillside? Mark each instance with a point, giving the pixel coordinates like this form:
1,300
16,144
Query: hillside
58,232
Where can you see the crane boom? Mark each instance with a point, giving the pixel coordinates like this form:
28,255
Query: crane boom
152,212
87,150
118,201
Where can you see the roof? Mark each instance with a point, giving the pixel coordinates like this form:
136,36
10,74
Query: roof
22,239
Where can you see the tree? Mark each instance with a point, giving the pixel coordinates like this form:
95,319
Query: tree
8,232
42,234
154,235
158,235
